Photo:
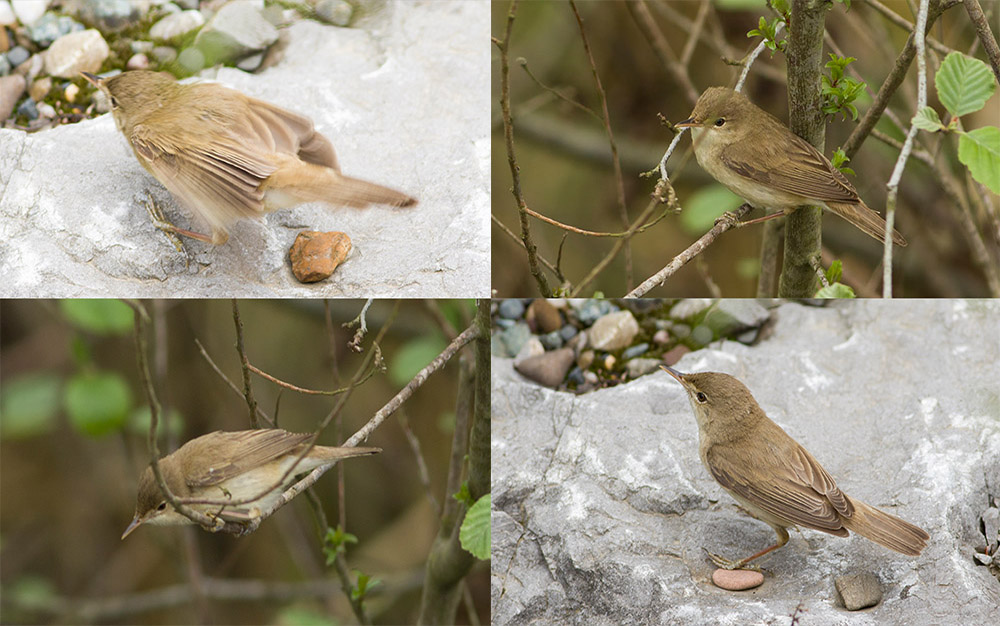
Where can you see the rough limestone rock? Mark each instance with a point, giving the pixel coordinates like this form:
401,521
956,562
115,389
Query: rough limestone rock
404,98
601,505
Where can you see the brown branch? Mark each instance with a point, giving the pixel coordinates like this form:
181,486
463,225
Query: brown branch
905,24
508,131
647,25
721,226
986,37
245,363
552,268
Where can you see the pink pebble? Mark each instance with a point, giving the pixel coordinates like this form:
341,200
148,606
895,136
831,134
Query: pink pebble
737,579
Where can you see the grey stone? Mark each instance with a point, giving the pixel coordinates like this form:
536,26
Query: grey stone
589,311
73,224
859,590
601,505
237,30
512,309
28,109
640,367
17,55
176,24
636,350
110,15
568,331
690,307
513,338
551,341
336,12
51,27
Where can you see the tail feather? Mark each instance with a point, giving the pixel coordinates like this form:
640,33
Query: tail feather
867,220
886,530
296,181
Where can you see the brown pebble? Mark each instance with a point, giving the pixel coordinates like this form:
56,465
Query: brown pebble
547,369
737,579
315,255
543,316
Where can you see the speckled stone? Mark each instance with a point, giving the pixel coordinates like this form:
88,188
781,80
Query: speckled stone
315,255
859,590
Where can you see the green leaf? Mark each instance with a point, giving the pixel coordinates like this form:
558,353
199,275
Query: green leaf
365,583
138,422
475,534
101,317
97,403
927,119
705,205
834,272
463,495
335,542
413,357
964,84
979,150
29,405
836,290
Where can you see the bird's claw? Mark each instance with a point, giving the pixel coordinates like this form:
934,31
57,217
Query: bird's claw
725,563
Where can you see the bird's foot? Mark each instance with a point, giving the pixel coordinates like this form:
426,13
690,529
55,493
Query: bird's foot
725,563
161,223
728,219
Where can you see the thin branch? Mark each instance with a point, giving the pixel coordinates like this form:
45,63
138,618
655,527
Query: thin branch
244,363
986,37
721,226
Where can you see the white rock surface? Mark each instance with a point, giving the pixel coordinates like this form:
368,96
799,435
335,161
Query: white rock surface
403,96
601,505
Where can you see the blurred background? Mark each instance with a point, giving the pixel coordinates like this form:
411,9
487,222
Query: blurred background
73,430
565,159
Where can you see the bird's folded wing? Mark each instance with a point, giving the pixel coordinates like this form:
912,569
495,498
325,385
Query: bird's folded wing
799,489
255,447
287,132
801,170
218,179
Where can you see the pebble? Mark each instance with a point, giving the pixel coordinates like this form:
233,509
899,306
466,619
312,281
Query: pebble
585,359
511,308
514,338
27,11
40,88
52,27
637,350
192,59
235,31
589,311
575,376
315,255
674,354
17,55
609,362
613,331
544,316
737,579
144,47
7,17
77,52
690,307
5,66
552,341
11,88
336,12
111,15
138,62
640,367
164,54
661,337
251,63
859,590
568,332
28,109
46,111
548,369
532,347
176,24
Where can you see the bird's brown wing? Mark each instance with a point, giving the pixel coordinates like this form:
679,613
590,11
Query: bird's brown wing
253,448
800,490
218,179
797,168
289,133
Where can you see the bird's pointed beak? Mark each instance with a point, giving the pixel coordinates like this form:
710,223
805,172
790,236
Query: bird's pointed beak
93,80
688,123
677,375
136,521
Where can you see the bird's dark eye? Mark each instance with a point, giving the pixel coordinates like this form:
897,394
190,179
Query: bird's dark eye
162,507
720,122
701,397
114,102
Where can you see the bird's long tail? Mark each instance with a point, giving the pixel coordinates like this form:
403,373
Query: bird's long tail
886,530
305,182
866,219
